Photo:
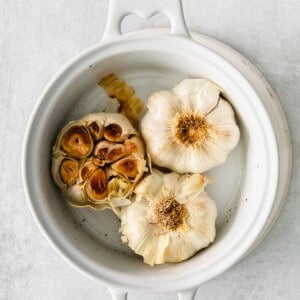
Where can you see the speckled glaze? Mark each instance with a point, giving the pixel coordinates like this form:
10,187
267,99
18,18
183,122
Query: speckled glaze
255,177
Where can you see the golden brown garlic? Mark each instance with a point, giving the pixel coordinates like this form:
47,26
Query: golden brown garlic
86,156
68,171
75,140
96,186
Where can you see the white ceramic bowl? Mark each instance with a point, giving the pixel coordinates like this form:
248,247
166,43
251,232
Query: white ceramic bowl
246,188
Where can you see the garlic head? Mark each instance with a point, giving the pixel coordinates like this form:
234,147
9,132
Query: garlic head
189,129
97,160
171,219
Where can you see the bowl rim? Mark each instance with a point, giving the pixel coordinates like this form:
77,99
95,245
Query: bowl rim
165,41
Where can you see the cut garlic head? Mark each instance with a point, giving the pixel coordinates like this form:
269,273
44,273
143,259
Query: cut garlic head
189,129
171,219
97,160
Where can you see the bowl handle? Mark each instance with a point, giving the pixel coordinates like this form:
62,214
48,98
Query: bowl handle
187,294
117,294
118,9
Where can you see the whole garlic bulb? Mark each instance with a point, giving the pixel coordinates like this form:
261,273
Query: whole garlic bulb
190,128
171,219
92,158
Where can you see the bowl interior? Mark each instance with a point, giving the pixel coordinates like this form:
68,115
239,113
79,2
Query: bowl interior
91,238
225,190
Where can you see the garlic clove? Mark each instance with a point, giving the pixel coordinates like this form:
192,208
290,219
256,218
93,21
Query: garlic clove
68,171
96,187
199,94
224,129
94,122
103,148
193,183
109,152
185,185
202,221
149,186
163,105
65,170
112,132
113,127
180,249
117,128
76,196
87,168
119,187
135,145
154,249
129,166
74,140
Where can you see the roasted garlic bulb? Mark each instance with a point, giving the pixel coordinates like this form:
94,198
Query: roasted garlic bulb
171,219
97,160
190,128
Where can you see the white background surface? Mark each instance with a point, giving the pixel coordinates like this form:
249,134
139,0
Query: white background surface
38,37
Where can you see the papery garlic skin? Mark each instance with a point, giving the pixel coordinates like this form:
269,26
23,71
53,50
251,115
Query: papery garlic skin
171,219
189,129
130,105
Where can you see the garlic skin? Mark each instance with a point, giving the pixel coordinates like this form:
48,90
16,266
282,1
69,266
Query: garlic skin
86,178
171,219
189,129
130,105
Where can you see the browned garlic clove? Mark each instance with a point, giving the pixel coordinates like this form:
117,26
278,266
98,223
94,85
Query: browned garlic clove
68,171
87,168
95,124
112,132
96,186
65,170
108,152
74,140
128,167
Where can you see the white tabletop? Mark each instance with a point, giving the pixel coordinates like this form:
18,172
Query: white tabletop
38,37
